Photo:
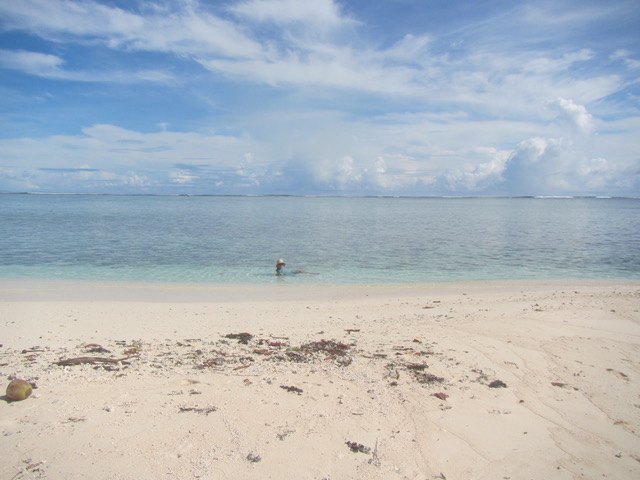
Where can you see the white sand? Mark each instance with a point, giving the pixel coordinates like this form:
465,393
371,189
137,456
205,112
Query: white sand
190,403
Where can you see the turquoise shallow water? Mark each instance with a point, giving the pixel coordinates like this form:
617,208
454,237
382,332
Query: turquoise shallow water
341,240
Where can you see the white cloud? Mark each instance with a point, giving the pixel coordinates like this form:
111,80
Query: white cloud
51,66
489,77
352,112
187,29
319,14
34,63
118,156
537,166
56,19
182,177
576,115
626,57
484,173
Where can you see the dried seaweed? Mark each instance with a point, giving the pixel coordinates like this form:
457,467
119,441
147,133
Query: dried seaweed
417,371
253,458
292,389
329,347
497,384
243,337
290,356
357,447
416,367
95,348
427,378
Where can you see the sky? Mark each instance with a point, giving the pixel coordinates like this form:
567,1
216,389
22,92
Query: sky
320,97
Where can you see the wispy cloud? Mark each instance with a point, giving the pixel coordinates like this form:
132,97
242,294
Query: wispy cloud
53,67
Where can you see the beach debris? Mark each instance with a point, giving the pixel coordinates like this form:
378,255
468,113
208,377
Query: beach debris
418,367
31,468
357,447
563,385
427,378
133,349
261,351
342,360
332,349
497,384
213,362
292,389
284,434
91,360
33,350
19,390
329,347
620,374
440,395
246,365
296,357
95,348
403,349
253,458
352,330
76,419
411,350
374,460
243,338
417,370
201,410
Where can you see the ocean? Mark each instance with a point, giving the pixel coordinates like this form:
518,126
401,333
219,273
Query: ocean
340,240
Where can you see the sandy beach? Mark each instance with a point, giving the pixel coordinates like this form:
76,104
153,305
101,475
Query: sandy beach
489,380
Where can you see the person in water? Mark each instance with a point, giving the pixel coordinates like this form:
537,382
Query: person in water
280,270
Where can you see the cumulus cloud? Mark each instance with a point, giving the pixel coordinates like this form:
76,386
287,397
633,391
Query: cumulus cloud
540,166
537,166
479,176
576,115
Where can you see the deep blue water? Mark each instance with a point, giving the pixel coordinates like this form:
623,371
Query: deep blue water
342,240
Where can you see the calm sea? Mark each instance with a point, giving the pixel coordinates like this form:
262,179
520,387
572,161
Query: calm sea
341,240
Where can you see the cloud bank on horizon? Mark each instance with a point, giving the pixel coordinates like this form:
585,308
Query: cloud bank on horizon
393,97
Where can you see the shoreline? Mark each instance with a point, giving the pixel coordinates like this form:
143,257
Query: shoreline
13,290
479,380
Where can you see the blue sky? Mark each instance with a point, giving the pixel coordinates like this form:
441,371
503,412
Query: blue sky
384,97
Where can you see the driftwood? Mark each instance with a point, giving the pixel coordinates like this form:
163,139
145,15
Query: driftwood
203,410
90,360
